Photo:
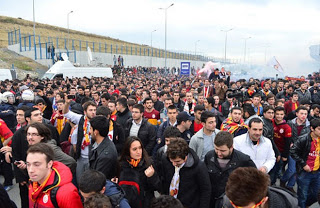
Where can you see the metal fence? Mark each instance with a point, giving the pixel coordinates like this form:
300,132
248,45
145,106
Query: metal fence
29,42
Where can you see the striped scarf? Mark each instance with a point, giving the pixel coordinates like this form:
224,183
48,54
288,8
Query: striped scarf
231,127
186,106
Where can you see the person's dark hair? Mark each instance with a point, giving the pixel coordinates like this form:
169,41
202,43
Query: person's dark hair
314,106
256,95
165,201
42,129
207,114
254,120
169,98
40,100
103,111
42,148
24,108
278,101
147,99
301,108
140,107
125,155
290,86
172,107
97,200
60,101
249,109
131,103
155,92
171,132
269,96
92,181
266,108
100,123
85,99
279,108
27,113
235,108
294,93
133,97
314,123
162,93
123,102
81,87
178,148
199,108
246,185
210,101
223,138
87,104
250,84
106,96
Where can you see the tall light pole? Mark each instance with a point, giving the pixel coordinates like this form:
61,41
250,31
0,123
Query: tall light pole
34,28
245,49
195,49
165,35
151,48
225,43
68,26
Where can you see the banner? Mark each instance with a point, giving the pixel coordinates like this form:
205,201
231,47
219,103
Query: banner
185,68
275,64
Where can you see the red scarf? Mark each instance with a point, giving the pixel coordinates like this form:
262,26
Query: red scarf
134,162
86,141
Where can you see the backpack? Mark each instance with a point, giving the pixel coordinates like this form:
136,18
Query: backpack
53,196
116,199
129,182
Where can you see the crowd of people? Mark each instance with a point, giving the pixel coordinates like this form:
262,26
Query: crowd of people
144,140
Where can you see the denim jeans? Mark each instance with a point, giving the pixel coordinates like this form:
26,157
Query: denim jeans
290,174
275,172
308,188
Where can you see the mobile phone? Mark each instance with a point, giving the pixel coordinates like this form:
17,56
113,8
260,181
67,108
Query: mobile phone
71,96
17,162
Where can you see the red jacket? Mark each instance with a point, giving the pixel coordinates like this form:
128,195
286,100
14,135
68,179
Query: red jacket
67,195
288,106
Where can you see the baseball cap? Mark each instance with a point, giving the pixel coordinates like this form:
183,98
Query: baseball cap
184,116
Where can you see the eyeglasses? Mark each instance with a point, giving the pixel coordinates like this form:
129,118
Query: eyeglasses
254,206
32,134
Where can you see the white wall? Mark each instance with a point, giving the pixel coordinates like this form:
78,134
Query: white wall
107,59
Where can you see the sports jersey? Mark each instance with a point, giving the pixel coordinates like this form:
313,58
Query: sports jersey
153,117
282,132
313,156
5,132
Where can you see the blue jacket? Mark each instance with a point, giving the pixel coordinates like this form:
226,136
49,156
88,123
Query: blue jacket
116,195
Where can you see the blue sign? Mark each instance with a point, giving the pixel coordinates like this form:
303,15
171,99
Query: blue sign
185,68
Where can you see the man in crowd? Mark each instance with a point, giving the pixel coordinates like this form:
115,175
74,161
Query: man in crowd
202,141
190,104
141,128
196,123
184,176
172,121
184,121
258,147
177,101
81,138
303,93
112,106
300,126
249,187
123,113
291,105
235,124
305,151
221,162
102,153
256,104
164,111
150,113
286,94
158,105
49,176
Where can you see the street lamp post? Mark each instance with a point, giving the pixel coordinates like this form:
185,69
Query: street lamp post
245,49
165,37
151,48
225,43
68,26
195,49
34,28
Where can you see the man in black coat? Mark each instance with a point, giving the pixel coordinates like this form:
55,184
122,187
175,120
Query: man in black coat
184,176
102,153
123,113
141,128
221,162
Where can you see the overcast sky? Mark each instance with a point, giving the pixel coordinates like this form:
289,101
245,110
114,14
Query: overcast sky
284,29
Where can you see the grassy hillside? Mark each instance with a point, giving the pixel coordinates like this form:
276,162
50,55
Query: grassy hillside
44,30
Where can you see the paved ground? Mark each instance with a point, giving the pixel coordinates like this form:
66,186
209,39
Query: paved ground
14,195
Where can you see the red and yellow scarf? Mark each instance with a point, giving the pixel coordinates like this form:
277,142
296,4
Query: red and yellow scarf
86,141
231,127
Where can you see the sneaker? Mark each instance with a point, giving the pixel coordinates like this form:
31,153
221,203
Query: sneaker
8,188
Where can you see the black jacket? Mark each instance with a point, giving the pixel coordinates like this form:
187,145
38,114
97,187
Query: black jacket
194,187
179,105
225,108
123,117
104,158
218,176
158,105
305,130
268,133
300,151
146,184
118,136
147,134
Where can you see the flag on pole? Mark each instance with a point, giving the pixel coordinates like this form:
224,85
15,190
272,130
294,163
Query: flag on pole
275,64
